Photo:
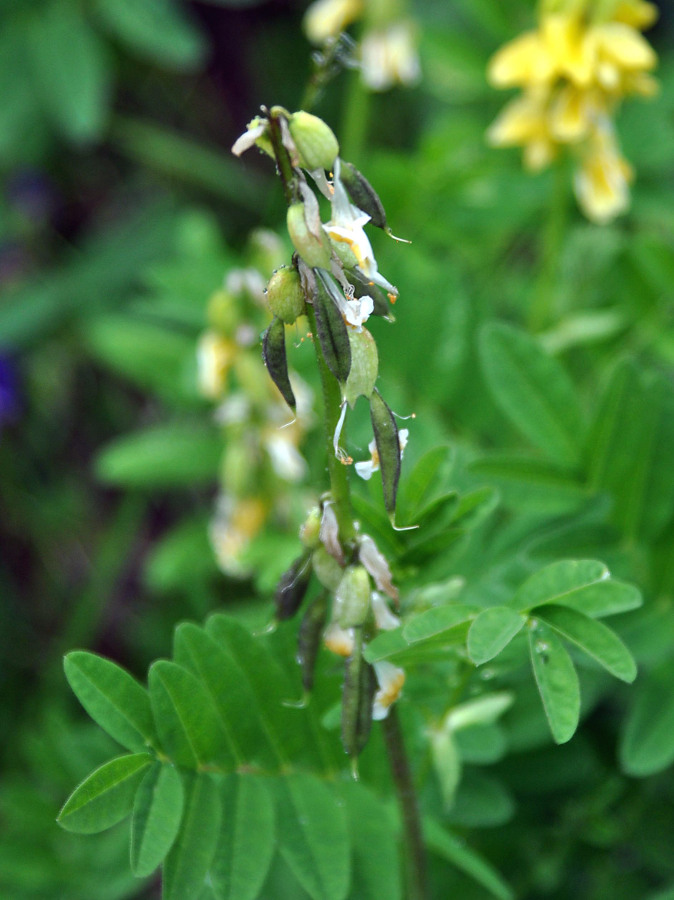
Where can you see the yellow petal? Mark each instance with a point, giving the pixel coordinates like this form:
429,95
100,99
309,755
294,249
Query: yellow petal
521,120
625,46
602,182
570,115
521,61
327,18
636,13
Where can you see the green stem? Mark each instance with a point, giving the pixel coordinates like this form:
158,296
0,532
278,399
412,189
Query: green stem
339,477
552,242
356,119
417,887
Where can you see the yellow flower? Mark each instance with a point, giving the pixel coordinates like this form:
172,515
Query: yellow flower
235,524
574,71
215,356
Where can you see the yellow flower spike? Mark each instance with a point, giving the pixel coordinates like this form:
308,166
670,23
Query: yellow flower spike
636,13
602,181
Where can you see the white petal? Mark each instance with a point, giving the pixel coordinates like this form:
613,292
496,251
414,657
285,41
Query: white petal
377,565
384,619
247,139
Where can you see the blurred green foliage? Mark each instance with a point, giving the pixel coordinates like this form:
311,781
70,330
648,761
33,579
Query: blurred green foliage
542,354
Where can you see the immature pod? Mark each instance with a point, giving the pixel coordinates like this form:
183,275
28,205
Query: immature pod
332,331
284,294
292,587
310,637
357,696
274,356
311,244
352,599
315,141
326,568
388,448
362,194
364,366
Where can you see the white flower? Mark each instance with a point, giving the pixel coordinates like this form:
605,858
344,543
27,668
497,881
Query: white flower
391,680
248,138
326,18
346,226
389,56
286,460
215,355
367,467
339,640
235,523
329,533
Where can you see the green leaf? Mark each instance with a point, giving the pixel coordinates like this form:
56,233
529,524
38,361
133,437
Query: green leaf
491,631
530,484
164,456
106,796
387,643
71,70
481,801
112,697
269,688
246,842
647,743
594,638
455,851
314,839
418,489
435,621
156,29
374,840
630,450
556,681
157,812
534,391
583,584
187,865
187,723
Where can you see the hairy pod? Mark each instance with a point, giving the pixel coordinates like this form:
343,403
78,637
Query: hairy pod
310,636
274,356
388,448
357,695
292,587
332,331
326,568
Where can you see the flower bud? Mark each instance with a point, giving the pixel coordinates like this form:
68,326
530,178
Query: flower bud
312,246
364,366
352,600
284,294
315,141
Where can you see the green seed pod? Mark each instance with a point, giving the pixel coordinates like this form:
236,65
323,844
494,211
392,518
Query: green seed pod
315,141
352,599
292,587
388,448
332,331
364,366
274,355
284,294
313,247
362,194
357,696
326,568
310,636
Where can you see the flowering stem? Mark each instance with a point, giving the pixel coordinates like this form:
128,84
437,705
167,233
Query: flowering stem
356,117
339,480
417,888
540,310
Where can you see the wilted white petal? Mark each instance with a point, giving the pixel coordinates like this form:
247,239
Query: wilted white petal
339,453
377,565
329,533
390,679
384,619
312,212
